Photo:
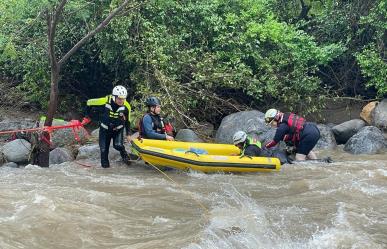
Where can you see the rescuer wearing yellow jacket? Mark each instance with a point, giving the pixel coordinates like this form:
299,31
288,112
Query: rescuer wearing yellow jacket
114,118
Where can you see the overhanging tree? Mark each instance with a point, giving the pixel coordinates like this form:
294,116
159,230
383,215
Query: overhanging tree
53,15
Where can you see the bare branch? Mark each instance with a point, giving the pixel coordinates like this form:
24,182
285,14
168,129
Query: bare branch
163,79
52,21
355,99
102,25
57,12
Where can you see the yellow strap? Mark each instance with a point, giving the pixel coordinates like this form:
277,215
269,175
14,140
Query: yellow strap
97,102
126,103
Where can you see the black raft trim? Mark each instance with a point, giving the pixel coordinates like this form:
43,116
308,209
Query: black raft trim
203,164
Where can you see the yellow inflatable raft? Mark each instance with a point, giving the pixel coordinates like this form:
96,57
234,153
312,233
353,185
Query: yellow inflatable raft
205,157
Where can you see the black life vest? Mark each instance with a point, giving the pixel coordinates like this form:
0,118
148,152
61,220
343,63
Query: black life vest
157,124
110,115
114,116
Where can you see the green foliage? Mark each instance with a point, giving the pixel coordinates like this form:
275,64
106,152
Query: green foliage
22,51
375,68
205,58
213,48
372,59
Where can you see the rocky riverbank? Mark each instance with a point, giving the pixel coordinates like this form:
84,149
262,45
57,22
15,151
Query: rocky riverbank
362,135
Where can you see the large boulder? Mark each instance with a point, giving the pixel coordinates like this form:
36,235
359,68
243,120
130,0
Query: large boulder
369,140
187,135
252,122
17,151
344,131
7,125
93,152
366,113
327,139
60,155
205,129
380,115
66,137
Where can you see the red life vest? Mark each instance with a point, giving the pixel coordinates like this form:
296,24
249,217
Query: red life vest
296,125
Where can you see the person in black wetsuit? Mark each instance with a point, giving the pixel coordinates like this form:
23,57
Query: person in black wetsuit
114,119
293,128
248,145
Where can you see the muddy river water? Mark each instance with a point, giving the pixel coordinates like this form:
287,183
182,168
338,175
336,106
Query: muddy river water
337,205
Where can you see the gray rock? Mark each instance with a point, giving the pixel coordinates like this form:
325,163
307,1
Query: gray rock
205,129
267,136
17,151
380,115
65,137
60,155
252,122
187,135
95,134
11,165
2,159
93,152
327,138
344,131
369,140
15,125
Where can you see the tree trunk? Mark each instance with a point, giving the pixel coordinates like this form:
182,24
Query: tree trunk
43,158
53,104
52,21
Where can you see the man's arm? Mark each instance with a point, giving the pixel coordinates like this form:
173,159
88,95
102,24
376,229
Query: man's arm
280,133
94,102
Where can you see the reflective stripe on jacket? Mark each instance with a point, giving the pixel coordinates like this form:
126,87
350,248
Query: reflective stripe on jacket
115,119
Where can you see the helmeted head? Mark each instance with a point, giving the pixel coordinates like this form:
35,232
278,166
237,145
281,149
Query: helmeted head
239,137
271,115
154,105
152,101
120,92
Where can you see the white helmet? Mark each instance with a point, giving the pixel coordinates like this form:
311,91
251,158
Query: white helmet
239,137
120,92
270,115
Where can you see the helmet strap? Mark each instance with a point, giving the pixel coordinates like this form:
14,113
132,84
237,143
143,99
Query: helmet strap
279,116
152,110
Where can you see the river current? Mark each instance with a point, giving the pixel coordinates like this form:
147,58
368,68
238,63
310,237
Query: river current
310,205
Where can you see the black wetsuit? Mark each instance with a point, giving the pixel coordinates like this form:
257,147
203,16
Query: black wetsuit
309,136
252,150
113,120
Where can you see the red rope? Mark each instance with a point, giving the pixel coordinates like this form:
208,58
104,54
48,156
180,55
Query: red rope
75,125
84,165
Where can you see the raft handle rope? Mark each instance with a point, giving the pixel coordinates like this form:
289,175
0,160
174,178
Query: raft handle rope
193,152
246,156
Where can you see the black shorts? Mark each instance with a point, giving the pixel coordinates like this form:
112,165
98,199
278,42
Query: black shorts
308,139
